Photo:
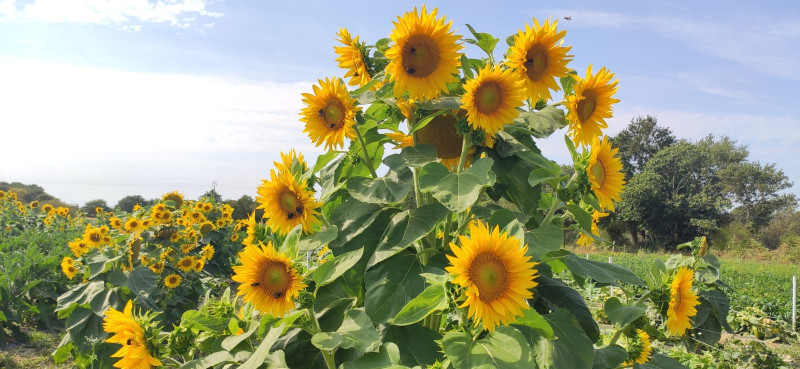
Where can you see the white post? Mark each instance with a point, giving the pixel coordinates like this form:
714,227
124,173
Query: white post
587,256
794,303
610,288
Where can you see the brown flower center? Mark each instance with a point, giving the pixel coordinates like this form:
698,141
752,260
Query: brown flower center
488,97
489,274
275,279
333,114
599,172
587,105
536,62
420,56
290,204
441,133
95,237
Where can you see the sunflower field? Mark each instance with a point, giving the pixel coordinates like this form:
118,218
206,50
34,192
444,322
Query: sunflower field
445,252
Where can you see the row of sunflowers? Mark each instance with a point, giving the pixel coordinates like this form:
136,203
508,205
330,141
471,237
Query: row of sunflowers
417,267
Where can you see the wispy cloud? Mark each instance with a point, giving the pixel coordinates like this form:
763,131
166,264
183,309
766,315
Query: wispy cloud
121,13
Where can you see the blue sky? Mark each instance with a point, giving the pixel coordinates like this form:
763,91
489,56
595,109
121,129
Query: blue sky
142,97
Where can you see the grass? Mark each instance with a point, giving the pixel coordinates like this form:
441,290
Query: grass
34,353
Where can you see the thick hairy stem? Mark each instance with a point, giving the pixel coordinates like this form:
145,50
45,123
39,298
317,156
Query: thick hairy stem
366,153
557,203
326,354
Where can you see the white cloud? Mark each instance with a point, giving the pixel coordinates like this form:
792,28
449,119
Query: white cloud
181,13
142,132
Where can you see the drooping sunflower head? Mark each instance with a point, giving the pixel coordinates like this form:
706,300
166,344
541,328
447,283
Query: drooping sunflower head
174,196
157,267
496,273
268,279
538,59
351,58
424,56
605,173
126,331
287,203
492,98
586,240
329,114
702,249
441,133
172,280
290,160
591,105
47,208
34,204
639,349
682,302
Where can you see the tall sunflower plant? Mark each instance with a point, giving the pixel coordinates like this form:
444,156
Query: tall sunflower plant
447,252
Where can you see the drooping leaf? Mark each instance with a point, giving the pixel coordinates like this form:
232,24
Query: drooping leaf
194,319
558,294
332,269
262,352
418,346
543,240
391,284
384,190
534,320
484,41
543,122
609,357
659,361
505,347
431,299
622,315
602,272
456,191
387,357
415,156
406,228
572,348
318,239
356,331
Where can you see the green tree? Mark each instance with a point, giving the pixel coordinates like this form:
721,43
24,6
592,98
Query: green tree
756,190
90,206
127,203
212,195
243,207
639,141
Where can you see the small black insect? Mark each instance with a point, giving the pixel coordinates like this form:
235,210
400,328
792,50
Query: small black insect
299,210
333,125
129,342
413,51
355,74
321,113
277,295
290,216
569,18
529,63
254,284
410,70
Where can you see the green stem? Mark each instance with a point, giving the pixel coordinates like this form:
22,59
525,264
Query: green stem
446,235
417,192
618,333
326,354
465,146
556,202
366,153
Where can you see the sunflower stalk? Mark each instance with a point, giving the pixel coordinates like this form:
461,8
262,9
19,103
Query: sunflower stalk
366,153
326,354
557,203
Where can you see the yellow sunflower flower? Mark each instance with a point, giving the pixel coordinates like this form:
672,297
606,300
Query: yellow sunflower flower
186,263
199,263
639,350
268,280
496,273
33,204
133,225
424,56
68,267
682,302
78,247
172,280
402,139
175,196
287,203
538,59
115,222
157,267
406,107
93,236
127,332
251,229
351,59
287,161
591,105
47,208
441,133
586,240
605,173
329,114
491,99
208,252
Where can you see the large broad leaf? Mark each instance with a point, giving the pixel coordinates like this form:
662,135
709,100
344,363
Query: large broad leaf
505,347
415,156
543,122
345,290
558,294
602,272
99,263
512,183
86,328
387,357
209,361
262,352
622,315
721,304
80,295
384,190
572,349
543,240
609,357
356,332
532,319
406,228
659,361
418,344
584,218
332,269
318,239
456,191
391,285
431,299
194,319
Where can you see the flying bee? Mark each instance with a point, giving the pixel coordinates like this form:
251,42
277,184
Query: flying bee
256,284
321,113
411,70
299,210
569,18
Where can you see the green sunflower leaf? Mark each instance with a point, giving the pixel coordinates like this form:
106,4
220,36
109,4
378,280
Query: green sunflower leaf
457,191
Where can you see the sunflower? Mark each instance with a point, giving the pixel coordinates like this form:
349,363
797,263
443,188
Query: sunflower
206,227
538,59
585,239
208,252
287,203
287,162
351,58
78,247
496,273
605,173
406,106
68,267
329,114
591,105
682,302
186,263
425,55
491,99
173,280
175,197
251,229
639,349
207,207
175,237
47,208
133,225
33,204
93,236
187,247
235,237
115,222
402,139
268,280
127,332
441,133
199,263
157,267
